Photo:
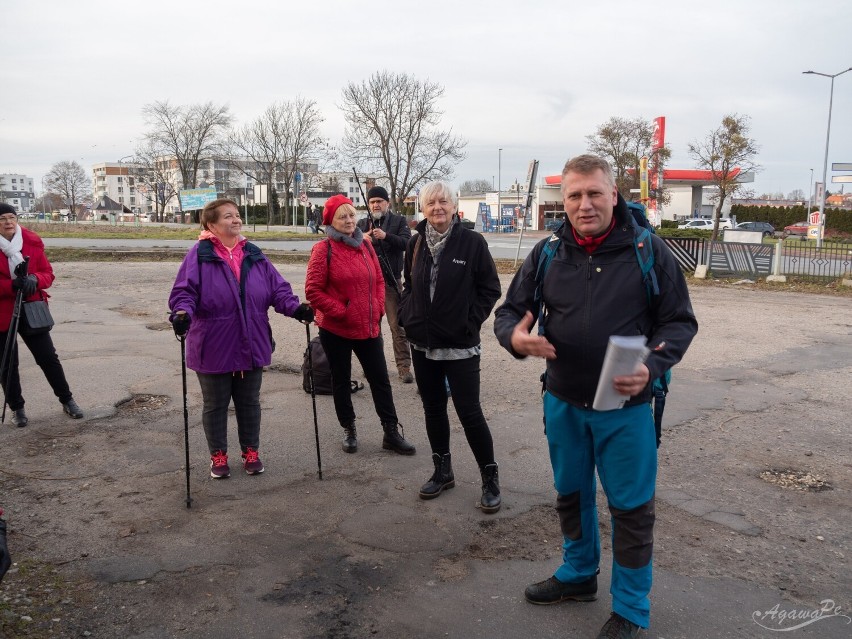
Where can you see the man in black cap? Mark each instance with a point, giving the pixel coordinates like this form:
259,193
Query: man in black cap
389,234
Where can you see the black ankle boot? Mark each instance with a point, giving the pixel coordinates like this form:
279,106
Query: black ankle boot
350,438
442,478
490,502
394,441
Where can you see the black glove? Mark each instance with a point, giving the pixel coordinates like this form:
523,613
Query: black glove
28,285
5,560
304,314
180,324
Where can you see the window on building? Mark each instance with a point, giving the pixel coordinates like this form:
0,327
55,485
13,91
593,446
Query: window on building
121,189
14,181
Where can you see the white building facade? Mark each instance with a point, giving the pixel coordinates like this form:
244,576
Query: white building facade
17,189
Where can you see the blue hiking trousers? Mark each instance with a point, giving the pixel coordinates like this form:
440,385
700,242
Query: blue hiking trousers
621,446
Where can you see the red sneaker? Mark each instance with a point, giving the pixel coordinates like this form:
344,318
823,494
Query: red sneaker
251,462
219,468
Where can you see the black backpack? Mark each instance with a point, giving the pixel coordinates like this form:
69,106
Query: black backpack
322,370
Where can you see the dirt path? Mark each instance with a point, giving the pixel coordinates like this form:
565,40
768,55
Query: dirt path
753,493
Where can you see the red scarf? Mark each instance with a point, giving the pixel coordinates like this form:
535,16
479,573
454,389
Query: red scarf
592,243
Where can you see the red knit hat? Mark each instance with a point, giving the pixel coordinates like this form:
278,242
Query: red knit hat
332,204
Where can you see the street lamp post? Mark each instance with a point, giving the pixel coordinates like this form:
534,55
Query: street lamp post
825,160
499,217
810,193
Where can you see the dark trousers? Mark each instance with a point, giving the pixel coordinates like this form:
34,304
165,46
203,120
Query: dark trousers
401,349
217,392
371,353
463,378
44,353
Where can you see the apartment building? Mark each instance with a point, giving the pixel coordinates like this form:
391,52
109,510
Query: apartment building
17,190
122,183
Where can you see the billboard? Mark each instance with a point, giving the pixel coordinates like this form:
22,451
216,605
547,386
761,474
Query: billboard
191,199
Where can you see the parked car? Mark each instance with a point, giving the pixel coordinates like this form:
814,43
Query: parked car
466,223
707,225
799,228
764,227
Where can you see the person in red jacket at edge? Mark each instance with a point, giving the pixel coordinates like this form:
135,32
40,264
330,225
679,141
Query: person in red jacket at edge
344,286
18,243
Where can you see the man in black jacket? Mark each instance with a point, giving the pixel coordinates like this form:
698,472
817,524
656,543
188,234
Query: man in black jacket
389,234
592,290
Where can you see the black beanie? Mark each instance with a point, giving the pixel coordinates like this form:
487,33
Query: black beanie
377,191
8,208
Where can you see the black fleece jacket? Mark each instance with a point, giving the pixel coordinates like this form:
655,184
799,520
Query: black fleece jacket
591,297
466,291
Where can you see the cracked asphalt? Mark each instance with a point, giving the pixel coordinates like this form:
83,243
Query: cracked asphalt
105,547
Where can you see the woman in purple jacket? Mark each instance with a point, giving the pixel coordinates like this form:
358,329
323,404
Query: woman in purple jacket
223,290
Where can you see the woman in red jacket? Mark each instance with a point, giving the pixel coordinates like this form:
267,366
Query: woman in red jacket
344,286
17,243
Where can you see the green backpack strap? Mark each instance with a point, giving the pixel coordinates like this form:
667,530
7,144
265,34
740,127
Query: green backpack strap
545,257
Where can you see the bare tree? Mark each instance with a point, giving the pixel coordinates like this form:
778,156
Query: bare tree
476,186
190,134
623,142
276,145
727,152
153,180
71,183
391,130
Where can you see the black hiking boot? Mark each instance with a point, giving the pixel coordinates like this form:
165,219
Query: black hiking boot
396,442
490,502
442,478
619,628
551,591
19,418
350,438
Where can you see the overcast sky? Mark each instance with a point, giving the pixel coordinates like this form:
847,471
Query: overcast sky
533,78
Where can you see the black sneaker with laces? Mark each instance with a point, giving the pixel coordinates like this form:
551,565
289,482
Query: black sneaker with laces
551,591
619,628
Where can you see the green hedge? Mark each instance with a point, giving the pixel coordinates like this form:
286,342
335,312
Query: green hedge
836,220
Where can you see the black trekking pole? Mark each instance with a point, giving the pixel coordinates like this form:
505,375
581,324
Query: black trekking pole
21,270
182,339
313,395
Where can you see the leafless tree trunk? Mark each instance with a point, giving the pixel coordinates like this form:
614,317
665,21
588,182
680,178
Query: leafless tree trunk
69,180
727,152
191,134
157,186
275,145
391,130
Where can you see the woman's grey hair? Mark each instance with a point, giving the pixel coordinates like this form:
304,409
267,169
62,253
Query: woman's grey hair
438,188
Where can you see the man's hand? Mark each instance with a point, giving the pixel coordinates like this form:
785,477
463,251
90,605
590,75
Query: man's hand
632,384
378,234
524,343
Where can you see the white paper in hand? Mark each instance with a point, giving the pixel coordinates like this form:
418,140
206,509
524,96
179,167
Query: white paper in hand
623,356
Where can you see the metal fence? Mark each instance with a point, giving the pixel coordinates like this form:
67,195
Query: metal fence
803,260
800,259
